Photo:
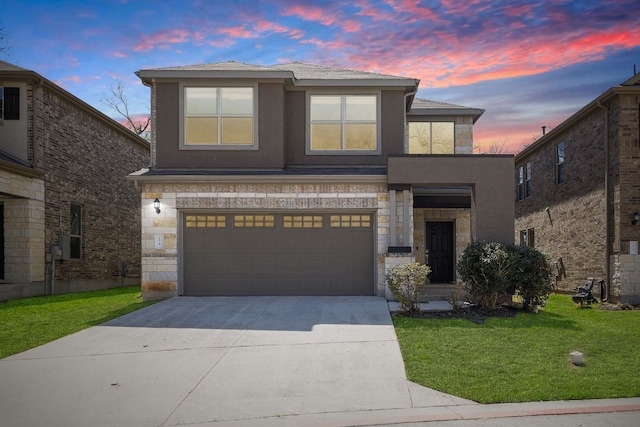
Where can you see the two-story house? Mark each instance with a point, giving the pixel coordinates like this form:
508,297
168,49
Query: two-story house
578,194
300,179
69,220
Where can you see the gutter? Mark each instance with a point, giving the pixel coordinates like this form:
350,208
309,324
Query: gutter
607,227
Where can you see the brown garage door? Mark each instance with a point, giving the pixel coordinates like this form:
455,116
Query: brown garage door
278,254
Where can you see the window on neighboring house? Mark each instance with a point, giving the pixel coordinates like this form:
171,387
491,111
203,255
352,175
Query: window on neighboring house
431,138
218,116
560,163
9,103
524,181
75,232
343,123
527,237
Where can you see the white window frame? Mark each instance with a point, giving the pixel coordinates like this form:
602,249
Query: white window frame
223,147
344,152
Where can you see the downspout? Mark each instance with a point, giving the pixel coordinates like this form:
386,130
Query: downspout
406,124
607,227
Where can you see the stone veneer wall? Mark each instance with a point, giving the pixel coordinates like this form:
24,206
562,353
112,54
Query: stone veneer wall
625,278
160,275
23,227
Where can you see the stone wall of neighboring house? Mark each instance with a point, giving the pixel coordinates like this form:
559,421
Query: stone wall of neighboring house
86,160
568,219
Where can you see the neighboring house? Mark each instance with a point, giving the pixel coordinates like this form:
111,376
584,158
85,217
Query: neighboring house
300,179
63,168
578,194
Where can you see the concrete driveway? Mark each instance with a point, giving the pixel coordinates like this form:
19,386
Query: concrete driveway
203,361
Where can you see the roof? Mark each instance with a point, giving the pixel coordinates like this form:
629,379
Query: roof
630,86
295,73
5,66
422,107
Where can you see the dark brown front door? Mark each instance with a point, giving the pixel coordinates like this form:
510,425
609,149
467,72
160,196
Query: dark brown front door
440,251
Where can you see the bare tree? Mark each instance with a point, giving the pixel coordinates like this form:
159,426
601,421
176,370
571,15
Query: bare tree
495,147
4,42
120,104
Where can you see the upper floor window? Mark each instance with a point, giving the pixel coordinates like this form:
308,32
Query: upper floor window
431,138
218,116
9,103
524,181
343,123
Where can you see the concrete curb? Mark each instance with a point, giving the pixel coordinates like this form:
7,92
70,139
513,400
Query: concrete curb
442,413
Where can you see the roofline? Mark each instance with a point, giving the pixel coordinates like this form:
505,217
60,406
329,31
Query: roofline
140,177
74,99
145,75
587,109
149,75
476,112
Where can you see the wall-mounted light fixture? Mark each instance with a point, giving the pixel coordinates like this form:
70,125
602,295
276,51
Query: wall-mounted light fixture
156,205
636,218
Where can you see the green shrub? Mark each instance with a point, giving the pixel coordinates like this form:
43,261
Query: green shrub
407,284
531,276
492,272
484,269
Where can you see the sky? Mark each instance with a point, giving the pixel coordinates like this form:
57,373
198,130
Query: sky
528,64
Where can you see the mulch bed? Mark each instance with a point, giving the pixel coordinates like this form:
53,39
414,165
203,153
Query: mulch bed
474,314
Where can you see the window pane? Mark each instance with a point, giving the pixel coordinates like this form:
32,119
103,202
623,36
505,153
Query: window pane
360,137
76,220
236,101
443,138
201,130
419,138
326,136
361,108
326,108
560,153
201,101
237,130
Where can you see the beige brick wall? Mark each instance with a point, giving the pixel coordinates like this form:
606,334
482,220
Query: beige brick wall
625,272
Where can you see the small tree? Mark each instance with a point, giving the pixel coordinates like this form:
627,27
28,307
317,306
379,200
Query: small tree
407,284
484,267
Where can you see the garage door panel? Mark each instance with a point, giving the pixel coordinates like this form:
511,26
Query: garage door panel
276,260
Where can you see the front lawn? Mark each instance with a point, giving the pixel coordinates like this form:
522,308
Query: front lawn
30,322
526,358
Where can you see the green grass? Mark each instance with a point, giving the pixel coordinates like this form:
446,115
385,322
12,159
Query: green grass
30,322
526,358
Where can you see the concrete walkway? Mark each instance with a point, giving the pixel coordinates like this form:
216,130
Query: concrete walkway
238,361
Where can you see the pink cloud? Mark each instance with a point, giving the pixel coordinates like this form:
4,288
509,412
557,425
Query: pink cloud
239,31
351,26
311,13
161,39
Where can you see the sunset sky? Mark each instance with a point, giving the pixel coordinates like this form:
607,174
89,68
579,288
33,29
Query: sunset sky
527,63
